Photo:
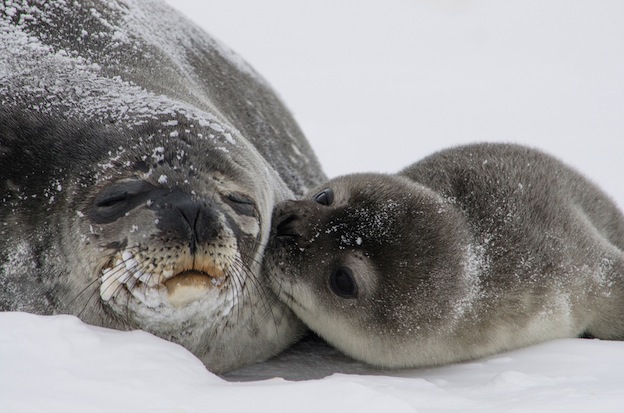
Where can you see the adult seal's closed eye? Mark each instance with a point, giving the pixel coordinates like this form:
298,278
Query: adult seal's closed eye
469,252
140,161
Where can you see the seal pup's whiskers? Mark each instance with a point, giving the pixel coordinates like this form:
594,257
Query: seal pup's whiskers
471,251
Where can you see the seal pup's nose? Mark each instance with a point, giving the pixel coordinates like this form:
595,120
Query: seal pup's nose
286,226
286,220
294,221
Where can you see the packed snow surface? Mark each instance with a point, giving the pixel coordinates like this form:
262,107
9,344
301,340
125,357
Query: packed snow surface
59,364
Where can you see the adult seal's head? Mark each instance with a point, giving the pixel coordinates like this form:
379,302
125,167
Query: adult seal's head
469,252
139,164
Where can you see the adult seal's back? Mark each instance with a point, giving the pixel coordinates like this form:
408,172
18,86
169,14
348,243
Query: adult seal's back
140,161
471,251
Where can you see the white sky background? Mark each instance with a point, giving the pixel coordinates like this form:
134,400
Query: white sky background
378,85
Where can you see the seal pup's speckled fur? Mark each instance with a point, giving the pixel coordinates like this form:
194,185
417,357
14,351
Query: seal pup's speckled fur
469,252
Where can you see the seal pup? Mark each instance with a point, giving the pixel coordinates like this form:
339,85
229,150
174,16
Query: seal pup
472,251
140,161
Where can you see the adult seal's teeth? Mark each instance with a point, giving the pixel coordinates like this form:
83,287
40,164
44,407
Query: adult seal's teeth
217,281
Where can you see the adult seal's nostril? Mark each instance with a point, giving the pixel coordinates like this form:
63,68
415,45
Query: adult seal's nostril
140,198
193,222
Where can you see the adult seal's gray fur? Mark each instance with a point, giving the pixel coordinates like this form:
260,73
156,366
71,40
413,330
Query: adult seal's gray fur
140,161
469,252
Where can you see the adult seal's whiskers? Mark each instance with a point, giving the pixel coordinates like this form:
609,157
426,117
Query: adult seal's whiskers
140,162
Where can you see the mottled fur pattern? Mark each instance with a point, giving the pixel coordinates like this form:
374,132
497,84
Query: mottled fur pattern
471,251
140,161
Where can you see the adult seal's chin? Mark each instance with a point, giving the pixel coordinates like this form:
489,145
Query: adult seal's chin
189,286
136,198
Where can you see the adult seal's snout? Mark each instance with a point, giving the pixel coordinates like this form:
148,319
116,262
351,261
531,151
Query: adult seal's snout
140,162
188,220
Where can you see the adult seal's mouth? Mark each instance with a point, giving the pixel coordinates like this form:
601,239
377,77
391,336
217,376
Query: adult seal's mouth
137,275
189,286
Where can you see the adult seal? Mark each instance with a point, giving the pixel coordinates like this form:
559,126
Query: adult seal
469,252
140,161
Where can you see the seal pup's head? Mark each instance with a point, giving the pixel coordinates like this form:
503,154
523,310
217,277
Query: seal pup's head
376,264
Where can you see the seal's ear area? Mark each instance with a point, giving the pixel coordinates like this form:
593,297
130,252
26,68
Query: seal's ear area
343,283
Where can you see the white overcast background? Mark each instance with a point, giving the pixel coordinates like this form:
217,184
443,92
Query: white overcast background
377,85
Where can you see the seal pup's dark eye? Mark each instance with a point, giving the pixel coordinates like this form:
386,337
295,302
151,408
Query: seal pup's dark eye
342,283
325,197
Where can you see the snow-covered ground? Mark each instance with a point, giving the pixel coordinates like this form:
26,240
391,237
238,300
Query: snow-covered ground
375,86
59,364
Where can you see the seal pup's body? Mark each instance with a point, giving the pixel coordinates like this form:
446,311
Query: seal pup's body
140,161
469,252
